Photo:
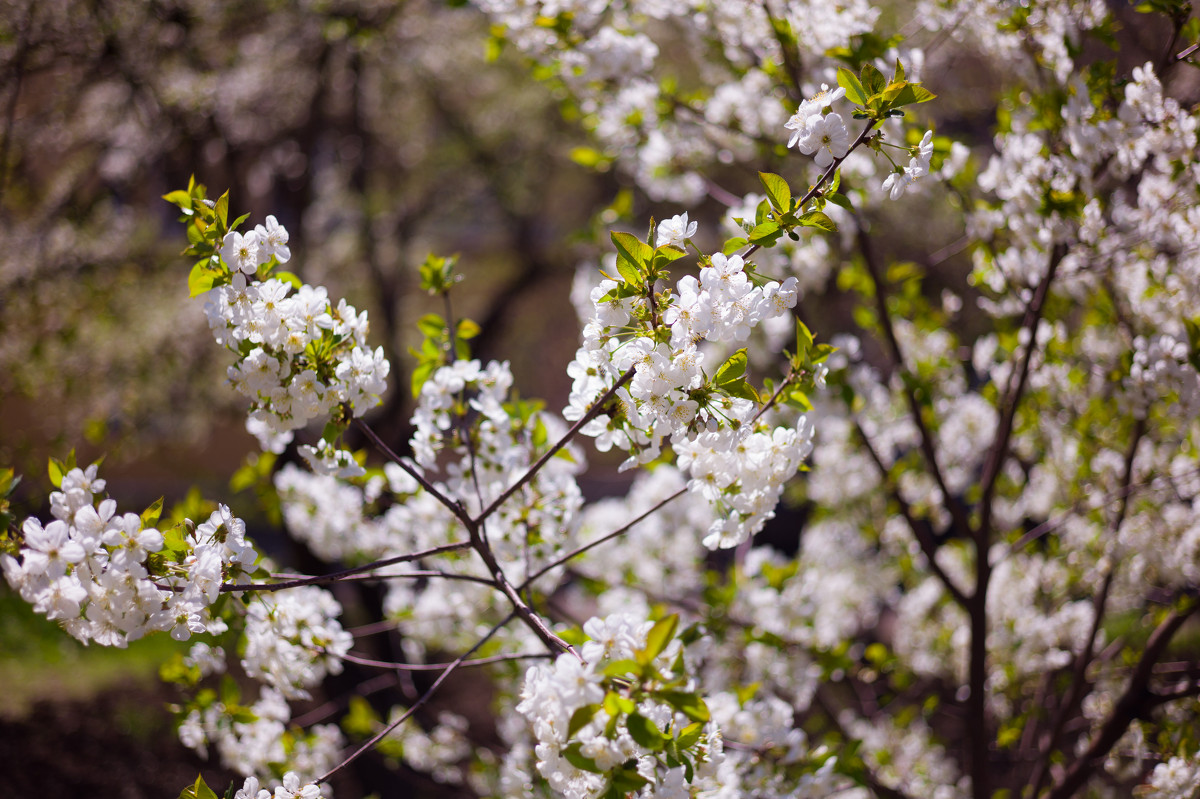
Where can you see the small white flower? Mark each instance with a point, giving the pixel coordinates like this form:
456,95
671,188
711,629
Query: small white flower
675,231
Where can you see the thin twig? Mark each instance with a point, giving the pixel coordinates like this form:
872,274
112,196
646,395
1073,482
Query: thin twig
425,697
596,409
350,657
602,539
921,528
336,576
453,506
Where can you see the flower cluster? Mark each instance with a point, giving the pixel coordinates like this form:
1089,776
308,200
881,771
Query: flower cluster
622,717
252,739
290,788
299,356
815,132
293,639
465,417
712,419
918,167
111,578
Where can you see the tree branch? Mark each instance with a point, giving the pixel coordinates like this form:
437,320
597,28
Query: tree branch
921,529
597,407
425,697
1134,702
957,512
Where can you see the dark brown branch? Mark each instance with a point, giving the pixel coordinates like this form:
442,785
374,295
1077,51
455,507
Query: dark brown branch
1012,396
425,697
350,657
453,506
597,408
1133,703
1079,683
921,528
602,539
958,514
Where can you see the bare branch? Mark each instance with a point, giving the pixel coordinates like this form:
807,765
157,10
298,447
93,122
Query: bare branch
425,697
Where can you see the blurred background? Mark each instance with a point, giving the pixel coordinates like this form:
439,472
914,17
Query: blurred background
376,131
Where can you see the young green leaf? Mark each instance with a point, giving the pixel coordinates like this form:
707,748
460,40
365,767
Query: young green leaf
657,639
56,472
644,732
151,514
733,368
688,703
580,719
201,279
765,234
854,89
872,79
576,759
632,249
198,790
818,220
733,245
778,191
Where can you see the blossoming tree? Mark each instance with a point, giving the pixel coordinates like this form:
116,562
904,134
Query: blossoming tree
995,577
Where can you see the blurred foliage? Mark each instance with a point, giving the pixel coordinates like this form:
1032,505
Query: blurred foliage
374,131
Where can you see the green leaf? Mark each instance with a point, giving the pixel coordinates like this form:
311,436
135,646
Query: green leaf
201,279
742,389
644,732
733,245
221,209
622,668
688,703
667,254
872,79
629,272
151,514
576,759
617,705
899,76
580,719
854,89
907,94
733,368
819,220
689,735
796,398
778,191
804,339
432,326
180,198
659,636
632,249
765,234
56,472
361,721
746,692
290,278
590,157
627,781
198,790
468,329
